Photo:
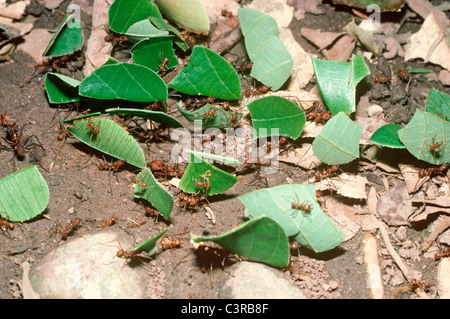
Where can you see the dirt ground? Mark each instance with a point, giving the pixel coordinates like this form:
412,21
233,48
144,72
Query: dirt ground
79,189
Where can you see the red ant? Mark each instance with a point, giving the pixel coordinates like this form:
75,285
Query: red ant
433,170
244,67
304,207
109,222
209,114
403,75
418,284
152,212
128,254
382,79
226,13
435,147
158,167
163,65
191,201
205,186
6,120
197,103
259,91
211,256
442,254
105,166
6,226
317,113
328,172
154,106
170,243
14,139
74,223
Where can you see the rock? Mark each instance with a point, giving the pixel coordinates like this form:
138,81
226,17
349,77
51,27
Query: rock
87,268
248,280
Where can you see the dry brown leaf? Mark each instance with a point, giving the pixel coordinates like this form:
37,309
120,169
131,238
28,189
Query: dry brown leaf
420,43
342,49
35,43
443,278
343,216
15,10
347,185
394,206
444,77
52,4
97,49
321,39
305,6
224,24
372,201
214,8
427,211
302,156
410,175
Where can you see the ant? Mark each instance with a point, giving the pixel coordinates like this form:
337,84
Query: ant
244,67
435,147
6,120
382,79
435,170
304,207
259,91
152,212
170,243
418,284
128,254
191,201
105,166
6,226
109,222
93,127
155,106
403,75
209,114
163,65
158,167
442,254
74,223
15,139
226,13
197,103
205,186
328,172
211,256
317,112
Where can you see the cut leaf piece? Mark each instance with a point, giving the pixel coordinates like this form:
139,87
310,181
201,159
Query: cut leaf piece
338,142
387,136
438,103
217,158
142,30
190,14
220,119
312,229
259,239
156,116
199,170
162,25
85,116
150,190
23,195
124,81
337,82
149,245
152,52
124,13
272,62
424,130
109,137
67,39
275,112
209,74
61,89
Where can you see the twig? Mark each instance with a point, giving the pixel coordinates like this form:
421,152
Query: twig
443,223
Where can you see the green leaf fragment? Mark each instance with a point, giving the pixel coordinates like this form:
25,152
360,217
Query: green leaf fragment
272,62
149,245
110,138
387,136
153,192
424,130
61,89
67,39
124,13
337,82
190,14
201,171
276,113
23,194
438,103
152,52
124,81
259,239
220,119
338,142
208,74
142,30
312,229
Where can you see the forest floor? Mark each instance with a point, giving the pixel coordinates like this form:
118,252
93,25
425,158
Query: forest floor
79,189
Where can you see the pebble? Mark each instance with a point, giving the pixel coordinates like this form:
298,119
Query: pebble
249,280
87,268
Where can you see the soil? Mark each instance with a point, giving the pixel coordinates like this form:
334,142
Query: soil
79,189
